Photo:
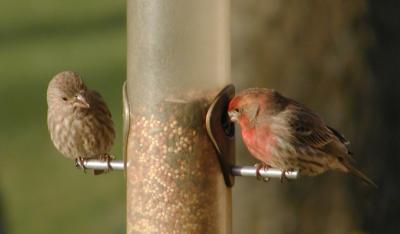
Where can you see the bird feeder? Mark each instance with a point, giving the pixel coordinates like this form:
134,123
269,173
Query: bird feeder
178,142
178,60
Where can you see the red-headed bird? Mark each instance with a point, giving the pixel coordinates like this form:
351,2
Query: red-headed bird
287,135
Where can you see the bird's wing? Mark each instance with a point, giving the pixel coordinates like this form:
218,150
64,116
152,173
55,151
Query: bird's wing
308,128
340,136
99,102
345,144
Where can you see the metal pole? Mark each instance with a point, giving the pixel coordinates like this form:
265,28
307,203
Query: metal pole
266,174
245,171
178,59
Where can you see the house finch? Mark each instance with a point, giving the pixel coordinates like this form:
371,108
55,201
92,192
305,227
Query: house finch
285,134
78,119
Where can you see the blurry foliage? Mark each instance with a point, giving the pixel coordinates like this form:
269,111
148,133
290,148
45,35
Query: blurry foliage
42,192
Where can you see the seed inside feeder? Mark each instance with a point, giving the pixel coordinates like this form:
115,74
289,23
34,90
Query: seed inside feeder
172,168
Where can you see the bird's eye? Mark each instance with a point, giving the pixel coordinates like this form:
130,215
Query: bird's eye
237,110
64,98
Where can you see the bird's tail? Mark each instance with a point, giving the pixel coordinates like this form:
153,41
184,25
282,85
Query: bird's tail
355,172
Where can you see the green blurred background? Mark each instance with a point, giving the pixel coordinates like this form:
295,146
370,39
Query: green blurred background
40,190
342,58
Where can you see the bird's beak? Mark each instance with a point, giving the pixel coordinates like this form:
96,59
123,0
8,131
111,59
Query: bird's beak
233,115
81,101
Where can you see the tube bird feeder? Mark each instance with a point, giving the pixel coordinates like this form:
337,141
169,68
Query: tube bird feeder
178,60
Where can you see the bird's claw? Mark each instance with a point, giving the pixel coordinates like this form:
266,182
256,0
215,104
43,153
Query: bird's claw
266,179
107,158
283,176
79,163
260,166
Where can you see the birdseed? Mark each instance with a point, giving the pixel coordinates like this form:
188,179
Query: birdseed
174,180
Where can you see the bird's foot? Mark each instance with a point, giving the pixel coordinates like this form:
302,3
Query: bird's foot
283,176
107,158
260,166
79,163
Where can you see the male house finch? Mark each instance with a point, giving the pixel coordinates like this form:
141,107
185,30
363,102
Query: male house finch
78,119
285,134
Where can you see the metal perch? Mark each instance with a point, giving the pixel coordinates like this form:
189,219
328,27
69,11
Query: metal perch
101,164
265,173
248,171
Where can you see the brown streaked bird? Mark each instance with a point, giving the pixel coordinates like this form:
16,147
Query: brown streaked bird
287,135
78,119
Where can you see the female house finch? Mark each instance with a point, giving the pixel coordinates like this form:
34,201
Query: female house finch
285,134
78,119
